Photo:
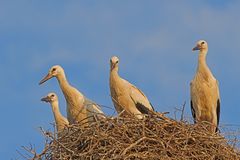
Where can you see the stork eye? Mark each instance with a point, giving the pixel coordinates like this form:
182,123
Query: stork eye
202,42
54,69
116,61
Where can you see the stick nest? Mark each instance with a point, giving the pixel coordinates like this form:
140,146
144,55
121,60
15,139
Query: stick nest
154,137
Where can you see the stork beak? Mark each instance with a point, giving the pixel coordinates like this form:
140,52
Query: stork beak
113,66
196,48
45,99
47,77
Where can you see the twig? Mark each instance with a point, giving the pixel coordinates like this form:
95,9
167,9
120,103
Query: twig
183,108
132,145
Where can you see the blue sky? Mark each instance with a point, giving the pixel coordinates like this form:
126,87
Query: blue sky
153,40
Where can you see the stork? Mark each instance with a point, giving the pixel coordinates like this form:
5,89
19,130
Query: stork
127,98
60,120
79,108
204,90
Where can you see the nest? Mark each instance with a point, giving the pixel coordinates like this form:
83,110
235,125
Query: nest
154,137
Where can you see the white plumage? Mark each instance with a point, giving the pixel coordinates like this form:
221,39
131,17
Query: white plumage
126,97
61,121
205,97
79,108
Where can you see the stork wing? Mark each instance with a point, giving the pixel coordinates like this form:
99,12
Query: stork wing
218,105
140,100
218,111
93,110
193,112
191,103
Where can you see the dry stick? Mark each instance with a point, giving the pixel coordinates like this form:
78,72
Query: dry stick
30,150
21,154
162,116
164,138
132,145
183,108
43,152
67,149
33,151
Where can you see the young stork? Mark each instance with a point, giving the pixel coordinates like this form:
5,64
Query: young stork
205,98
126,97
79,108
60,120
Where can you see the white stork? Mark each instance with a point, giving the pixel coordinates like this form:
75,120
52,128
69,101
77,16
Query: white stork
60,120
205,97
126,97
79,108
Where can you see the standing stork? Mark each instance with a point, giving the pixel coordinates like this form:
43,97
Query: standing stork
205,97
126,97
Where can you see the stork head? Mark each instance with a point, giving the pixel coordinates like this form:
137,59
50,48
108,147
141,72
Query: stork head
53,72
50,98
201,45
114,62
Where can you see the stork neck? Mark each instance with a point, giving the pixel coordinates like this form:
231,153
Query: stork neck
56,111
114,73
68,90
63,82
203,71
202,60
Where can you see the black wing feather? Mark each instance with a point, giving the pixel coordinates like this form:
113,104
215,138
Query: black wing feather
193,112
218,113
142,108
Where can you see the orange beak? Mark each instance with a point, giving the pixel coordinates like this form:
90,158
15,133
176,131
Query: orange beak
47,77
